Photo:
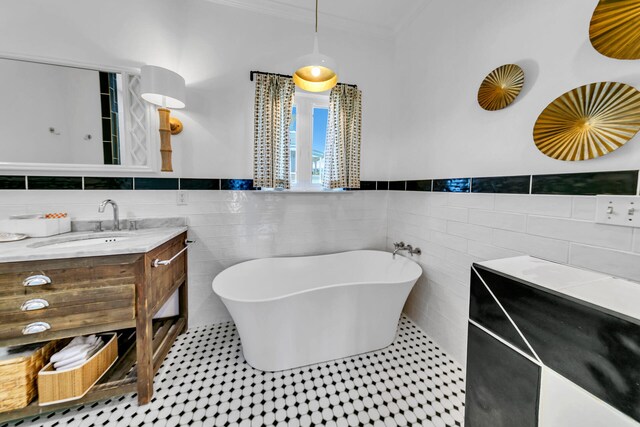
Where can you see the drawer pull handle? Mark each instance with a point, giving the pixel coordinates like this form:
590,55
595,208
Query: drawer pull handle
37,280
34,304
36,328
157,263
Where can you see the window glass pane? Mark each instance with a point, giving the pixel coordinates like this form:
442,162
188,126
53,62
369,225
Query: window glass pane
292,145
320,117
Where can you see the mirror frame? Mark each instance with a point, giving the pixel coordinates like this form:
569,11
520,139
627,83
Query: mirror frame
136,139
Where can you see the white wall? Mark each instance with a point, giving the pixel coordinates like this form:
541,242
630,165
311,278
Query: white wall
231,226
443,56
214,47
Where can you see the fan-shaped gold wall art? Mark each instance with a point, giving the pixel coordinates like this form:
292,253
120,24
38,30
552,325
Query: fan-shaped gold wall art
589,121
500,87
615,29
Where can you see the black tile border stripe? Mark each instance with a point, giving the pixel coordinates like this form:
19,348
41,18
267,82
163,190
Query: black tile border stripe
156,184
452,185
502,184
13,182
587,184
54,182
199,184
107,183
570,184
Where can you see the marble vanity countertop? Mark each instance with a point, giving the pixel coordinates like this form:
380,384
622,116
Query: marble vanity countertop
610,293
69,245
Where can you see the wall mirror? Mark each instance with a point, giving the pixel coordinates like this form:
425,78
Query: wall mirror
57,116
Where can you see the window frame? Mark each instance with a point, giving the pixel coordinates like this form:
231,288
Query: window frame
305,103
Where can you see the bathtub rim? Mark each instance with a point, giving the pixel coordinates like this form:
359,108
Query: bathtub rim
343,284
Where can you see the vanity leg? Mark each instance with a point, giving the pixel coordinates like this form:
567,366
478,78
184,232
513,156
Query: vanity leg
144,348
144,342
183,297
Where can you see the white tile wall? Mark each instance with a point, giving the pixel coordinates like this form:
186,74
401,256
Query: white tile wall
231,226
454,230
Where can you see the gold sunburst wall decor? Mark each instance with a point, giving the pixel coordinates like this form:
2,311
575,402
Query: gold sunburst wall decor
500,87
615,29
589,121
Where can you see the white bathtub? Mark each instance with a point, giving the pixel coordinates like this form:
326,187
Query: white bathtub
298,311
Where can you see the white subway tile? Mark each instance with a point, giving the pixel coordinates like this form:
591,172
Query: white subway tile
437,199
559,206
501,220
584,207
450,241
616,263
581,232
449,213
472,200
487,252
541,247
469,231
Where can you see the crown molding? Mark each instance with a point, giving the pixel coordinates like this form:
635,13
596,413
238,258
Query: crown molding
300,14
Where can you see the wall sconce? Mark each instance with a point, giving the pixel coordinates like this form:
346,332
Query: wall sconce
166,89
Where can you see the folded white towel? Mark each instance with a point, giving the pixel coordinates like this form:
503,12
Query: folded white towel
72,348
78,358
80,355
77,352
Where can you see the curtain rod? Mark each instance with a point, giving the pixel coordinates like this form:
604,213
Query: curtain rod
285,75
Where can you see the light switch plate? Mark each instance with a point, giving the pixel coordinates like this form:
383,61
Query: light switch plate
618,210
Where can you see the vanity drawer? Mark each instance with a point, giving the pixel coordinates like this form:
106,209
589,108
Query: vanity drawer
57,275
52,303
62,310
94,316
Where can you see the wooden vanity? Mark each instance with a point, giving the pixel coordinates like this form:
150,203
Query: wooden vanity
61,298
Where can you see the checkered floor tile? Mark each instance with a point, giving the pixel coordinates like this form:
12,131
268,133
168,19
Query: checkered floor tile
205,382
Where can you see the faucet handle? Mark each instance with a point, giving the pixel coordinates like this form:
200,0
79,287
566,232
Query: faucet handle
98,226
398,245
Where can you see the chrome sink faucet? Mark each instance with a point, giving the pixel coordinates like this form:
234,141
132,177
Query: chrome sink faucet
400,246
116,216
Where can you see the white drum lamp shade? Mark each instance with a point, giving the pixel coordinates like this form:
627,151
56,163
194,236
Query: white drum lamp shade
162,87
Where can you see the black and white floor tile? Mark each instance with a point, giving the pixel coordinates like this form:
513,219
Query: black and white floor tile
205,382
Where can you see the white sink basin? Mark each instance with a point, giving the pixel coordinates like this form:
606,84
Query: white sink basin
83,240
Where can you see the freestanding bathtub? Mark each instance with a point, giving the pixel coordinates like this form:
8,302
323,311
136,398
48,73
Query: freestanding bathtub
298,311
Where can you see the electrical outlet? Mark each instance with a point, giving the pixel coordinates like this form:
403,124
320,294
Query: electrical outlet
618,210
182,198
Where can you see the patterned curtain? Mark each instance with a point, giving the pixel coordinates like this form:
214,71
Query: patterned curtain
342,149
273,103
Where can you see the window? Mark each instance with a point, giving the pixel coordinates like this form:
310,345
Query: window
292,146
308,134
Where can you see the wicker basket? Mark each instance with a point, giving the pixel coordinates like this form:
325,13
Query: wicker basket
18,377
63,386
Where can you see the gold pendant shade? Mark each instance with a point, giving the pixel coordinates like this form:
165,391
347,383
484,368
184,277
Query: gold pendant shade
588,122
501,87
315,78
615,29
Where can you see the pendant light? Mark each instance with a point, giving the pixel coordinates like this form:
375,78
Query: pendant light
316,72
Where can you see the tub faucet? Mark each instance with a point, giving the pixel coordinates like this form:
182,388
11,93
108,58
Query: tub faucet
400,246
116,217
